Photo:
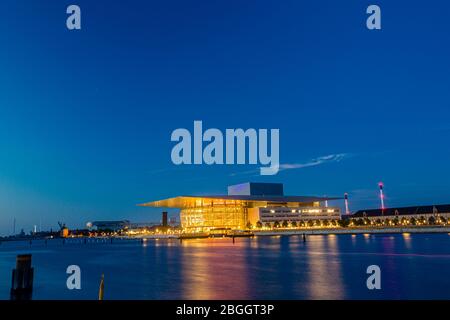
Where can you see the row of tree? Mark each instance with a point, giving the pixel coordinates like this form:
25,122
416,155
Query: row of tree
432,220
351,222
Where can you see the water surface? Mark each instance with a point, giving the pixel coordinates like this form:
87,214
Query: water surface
413,266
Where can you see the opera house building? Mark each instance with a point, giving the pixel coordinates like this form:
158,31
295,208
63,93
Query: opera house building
247,204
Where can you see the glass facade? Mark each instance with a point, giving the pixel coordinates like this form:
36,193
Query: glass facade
210,214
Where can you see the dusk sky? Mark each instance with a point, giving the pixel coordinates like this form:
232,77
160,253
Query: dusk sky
86,115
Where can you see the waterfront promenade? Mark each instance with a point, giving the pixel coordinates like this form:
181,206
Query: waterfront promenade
255,232
323,231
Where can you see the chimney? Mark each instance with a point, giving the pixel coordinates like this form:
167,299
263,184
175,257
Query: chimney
164,219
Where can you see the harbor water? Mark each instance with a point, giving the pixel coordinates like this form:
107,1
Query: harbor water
413,266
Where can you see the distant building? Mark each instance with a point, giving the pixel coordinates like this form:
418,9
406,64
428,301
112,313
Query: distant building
405,212
110,225
143,225
246,203
173,221
64,233
164,219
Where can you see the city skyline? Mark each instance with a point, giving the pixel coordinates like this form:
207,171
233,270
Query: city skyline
86,115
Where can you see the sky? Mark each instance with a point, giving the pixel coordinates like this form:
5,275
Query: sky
86,115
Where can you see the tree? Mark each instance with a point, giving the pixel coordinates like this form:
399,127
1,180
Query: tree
268,225
249,225
395,221
310,223
343,223
378,221
326,223
294,224
276,224
413,221
285,224
431,220
259,224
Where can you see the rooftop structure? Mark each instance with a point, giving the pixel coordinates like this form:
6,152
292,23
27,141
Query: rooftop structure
403,211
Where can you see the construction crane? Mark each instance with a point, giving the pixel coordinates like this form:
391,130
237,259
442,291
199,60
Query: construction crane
62,225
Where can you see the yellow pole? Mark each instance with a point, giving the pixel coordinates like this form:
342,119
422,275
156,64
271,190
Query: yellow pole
102,287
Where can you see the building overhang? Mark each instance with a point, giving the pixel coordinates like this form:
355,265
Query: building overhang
181,202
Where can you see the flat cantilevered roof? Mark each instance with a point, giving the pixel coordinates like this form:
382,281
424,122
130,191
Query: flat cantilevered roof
189,201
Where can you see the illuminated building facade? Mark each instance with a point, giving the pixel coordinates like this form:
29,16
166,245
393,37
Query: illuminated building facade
300,213
246,204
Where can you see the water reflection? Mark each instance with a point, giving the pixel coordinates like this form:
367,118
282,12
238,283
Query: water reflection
214,269
324,276
323,267
407,239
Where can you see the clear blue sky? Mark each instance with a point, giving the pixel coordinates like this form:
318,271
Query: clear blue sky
86,116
